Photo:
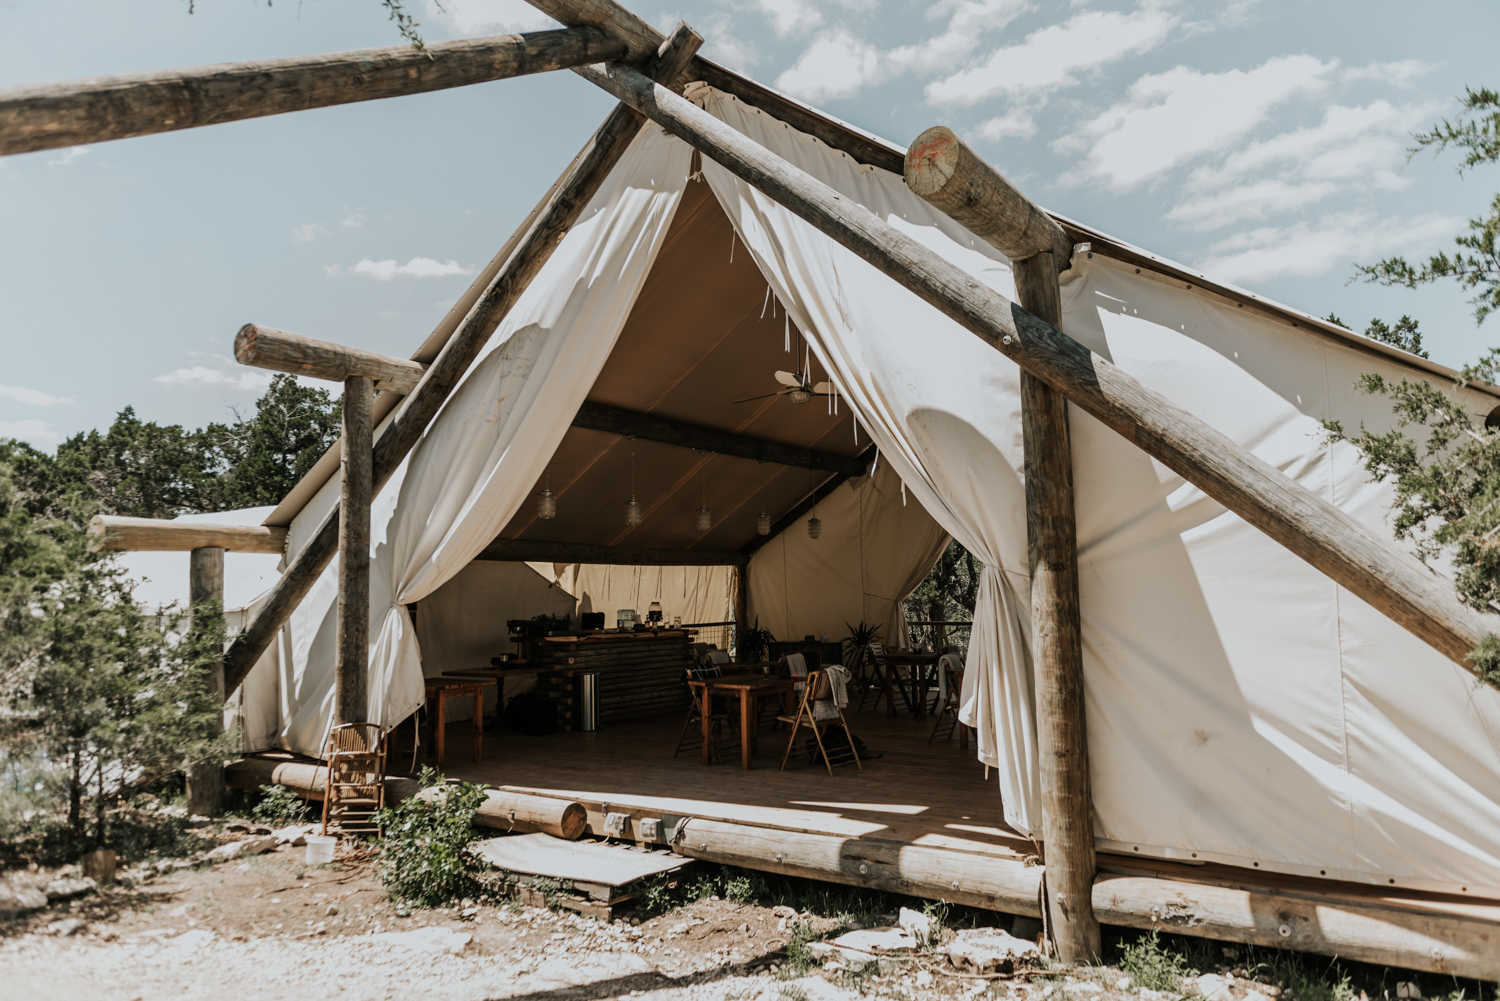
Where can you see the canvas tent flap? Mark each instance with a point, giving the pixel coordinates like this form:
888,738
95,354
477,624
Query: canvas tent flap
1240,706
474,467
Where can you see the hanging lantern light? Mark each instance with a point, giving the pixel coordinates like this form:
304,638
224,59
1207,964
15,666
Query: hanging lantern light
705,519
546,502
814,527
632,506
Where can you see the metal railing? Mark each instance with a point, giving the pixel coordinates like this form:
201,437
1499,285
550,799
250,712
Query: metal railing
718,634
953,635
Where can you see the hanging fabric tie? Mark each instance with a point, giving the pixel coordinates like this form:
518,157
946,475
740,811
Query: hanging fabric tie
766,303
731,246
788,333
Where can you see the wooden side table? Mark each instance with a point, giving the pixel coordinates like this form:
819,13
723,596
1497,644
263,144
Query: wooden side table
443,689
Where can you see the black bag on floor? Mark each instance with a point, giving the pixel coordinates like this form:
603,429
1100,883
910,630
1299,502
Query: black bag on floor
835,739
530,715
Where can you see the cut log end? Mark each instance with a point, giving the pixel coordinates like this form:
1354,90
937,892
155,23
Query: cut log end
932,160
244,344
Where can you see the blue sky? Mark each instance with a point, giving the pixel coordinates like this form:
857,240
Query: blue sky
1260,141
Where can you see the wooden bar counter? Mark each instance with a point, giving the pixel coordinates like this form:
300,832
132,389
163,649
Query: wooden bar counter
640,674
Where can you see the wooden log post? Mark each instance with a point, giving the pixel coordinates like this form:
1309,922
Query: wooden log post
74,112
351,699
205,779
280,351
1350,553
543,234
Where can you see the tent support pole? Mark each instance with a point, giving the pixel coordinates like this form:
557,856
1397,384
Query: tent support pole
741,607
1057,645
542,237
205,779
1332,541
351,698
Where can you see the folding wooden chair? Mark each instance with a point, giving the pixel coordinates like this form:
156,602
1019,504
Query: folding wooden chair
819,689
950,680
356,778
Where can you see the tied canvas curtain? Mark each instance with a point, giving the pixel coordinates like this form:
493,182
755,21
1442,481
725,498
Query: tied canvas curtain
476,465
942,407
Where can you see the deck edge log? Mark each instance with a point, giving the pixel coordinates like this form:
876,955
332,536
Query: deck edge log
1057,641
1417,940
114,533
1332,541
667,431
501,810
543,235
265,347
985,881
96,109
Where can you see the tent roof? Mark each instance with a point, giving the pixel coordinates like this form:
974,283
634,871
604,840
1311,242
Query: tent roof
696,341
866,148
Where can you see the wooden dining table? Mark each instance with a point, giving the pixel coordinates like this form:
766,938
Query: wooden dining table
750,687
918,661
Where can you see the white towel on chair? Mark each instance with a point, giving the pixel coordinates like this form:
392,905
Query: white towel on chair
838,679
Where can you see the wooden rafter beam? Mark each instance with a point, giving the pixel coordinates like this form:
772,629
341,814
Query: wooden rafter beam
538,551
112,533
280,351
1332,541
649,427
73,112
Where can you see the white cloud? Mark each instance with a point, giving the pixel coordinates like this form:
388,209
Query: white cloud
1352,147
1169,118
38,433
788,16
1015,123
417,267
469,17
353,218
1050,57
68,155
254,380
835,65
307,232
33,397
1399,73
1306,249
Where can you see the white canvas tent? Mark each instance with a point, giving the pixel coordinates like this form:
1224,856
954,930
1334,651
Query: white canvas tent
1241,707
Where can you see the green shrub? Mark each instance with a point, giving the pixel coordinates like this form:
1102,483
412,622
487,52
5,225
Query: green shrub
423,854
1154,966
279,805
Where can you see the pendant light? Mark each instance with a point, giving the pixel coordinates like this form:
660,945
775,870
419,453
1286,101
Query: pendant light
763,520
546,501
705,519
632,506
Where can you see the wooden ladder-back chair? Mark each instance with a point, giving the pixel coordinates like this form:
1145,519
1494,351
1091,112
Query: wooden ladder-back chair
818,689
872,657
701,701
355,790
950,680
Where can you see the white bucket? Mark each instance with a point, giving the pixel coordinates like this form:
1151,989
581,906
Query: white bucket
320,848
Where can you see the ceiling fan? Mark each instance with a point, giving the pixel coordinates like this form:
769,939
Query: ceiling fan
796,386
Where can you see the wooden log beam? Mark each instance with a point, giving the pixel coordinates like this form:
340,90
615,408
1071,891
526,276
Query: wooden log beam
1057,639
973,880
73,112
538,551
944,170
649,427
543,235
280,351
351,687
112,533
828,486
502,809
1404,937
1349,552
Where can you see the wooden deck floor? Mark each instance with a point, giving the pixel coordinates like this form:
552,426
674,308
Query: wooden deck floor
933,795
